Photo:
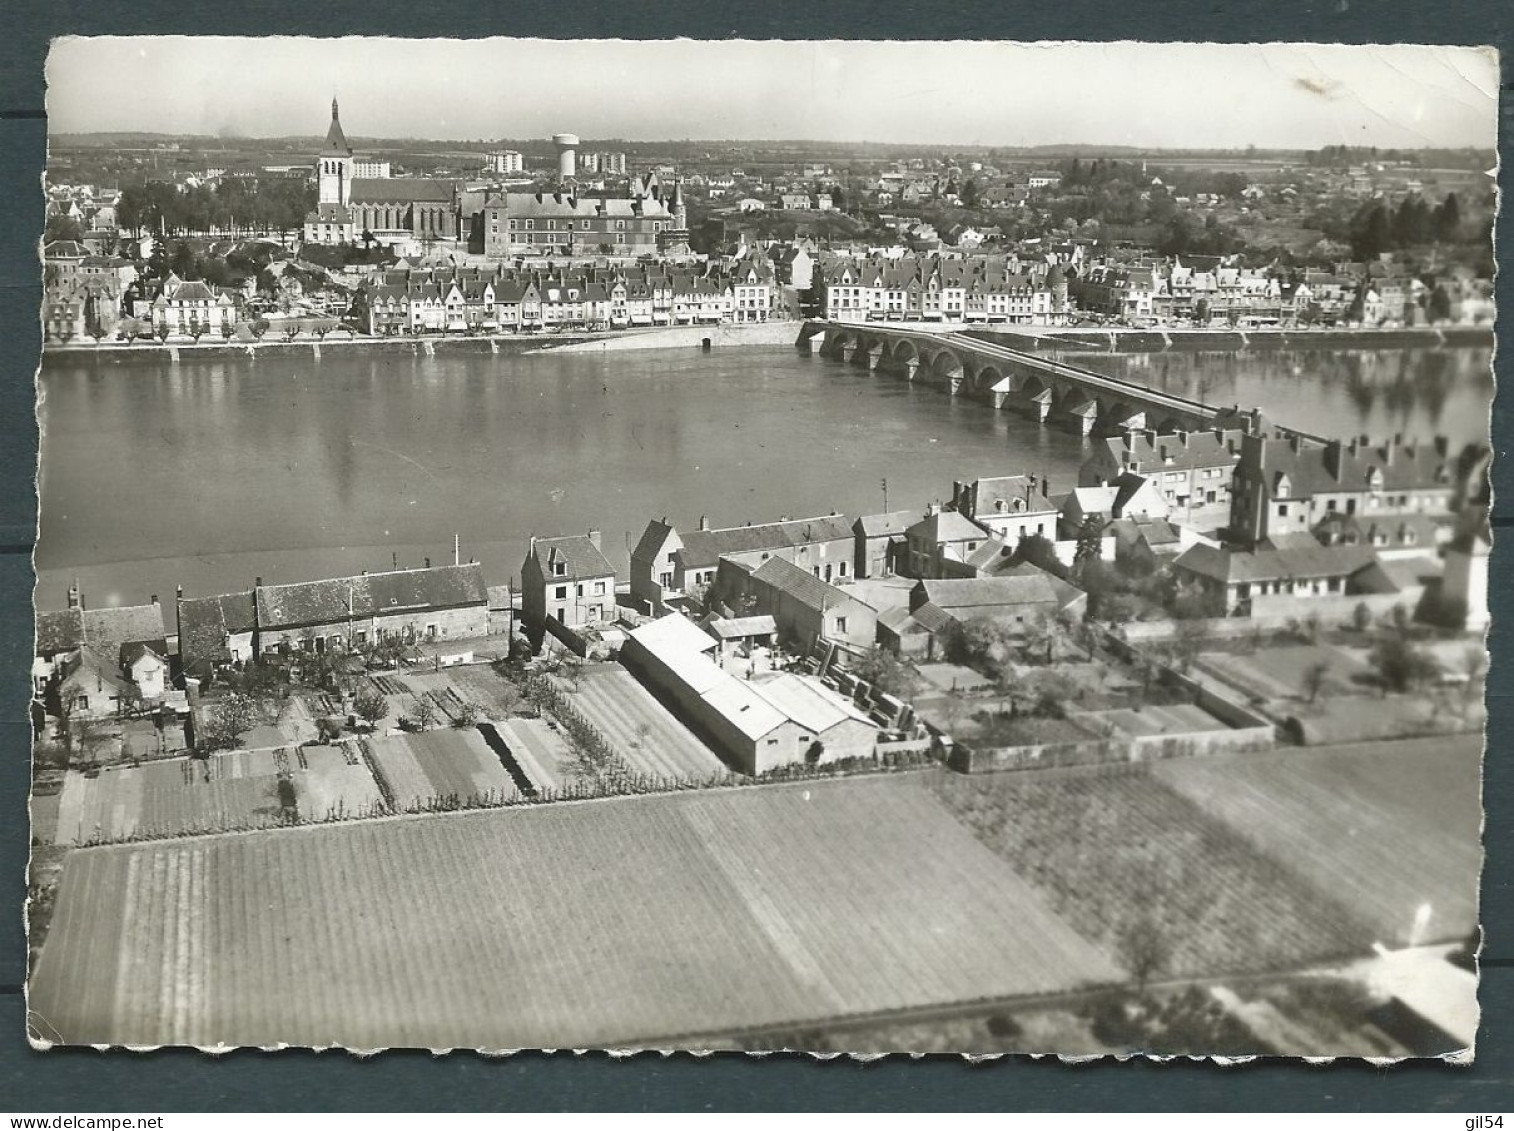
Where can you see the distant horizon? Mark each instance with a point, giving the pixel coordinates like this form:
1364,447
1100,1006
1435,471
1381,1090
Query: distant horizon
593,142
935,94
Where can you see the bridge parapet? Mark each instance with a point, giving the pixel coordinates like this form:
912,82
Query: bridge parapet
1006,378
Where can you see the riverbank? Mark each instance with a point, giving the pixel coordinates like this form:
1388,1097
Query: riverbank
340,344
778,333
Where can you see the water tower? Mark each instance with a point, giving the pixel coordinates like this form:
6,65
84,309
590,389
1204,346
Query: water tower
567,156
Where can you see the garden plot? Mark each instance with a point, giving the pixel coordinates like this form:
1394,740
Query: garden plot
418,770
1176,719
1279,671
643,731
541,752
170,797
334,781
495,695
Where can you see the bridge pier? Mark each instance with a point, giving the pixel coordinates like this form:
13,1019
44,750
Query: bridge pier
911,367
874,358
847,350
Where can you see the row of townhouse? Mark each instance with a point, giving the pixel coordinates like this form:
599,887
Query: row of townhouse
909,288
484,301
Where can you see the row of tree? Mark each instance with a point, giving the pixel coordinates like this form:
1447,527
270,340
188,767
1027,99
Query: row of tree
235,204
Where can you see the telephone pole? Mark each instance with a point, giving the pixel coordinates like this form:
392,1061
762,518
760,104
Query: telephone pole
885,494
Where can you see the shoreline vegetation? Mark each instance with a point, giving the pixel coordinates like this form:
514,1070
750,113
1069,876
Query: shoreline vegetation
780,333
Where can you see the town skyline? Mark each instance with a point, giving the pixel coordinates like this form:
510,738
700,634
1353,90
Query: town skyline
1288,96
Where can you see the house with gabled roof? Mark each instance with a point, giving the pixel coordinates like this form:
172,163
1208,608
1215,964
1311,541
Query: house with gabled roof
338,614
805,608
1290,485
1010,507
882,544
667,564
216,633
567,580
941,534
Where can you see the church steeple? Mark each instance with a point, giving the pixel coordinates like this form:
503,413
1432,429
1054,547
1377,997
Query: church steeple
336,141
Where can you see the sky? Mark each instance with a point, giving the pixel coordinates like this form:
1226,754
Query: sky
964,93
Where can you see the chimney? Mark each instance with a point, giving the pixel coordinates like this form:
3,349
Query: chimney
154,598
257,582
704,523
428,563
178,593
1045,486
1333,459
75,598
594,537
933,508
365,573
1295,442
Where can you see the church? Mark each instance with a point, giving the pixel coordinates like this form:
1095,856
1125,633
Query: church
389,209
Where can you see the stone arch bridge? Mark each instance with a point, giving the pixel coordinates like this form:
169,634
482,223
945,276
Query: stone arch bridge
982,370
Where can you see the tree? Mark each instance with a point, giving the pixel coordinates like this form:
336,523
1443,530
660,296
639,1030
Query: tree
424,713
888,673
1447,221
1090,543
184,262
84,736
1315,676
466,714
1400,664
1439,309
970,193
62,227
1144,948
1361,617
229,720
1474,665
370,706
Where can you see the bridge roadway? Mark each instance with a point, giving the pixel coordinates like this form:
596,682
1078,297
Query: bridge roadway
980,369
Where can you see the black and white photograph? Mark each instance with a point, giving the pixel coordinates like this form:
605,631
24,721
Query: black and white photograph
833,547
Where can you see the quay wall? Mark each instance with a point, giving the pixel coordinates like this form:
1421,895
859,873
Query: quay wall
343,345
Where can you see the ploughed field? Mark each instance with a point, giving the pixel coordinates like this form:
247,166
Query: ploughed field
1247,862
1385,828
647,736
639,921
571,925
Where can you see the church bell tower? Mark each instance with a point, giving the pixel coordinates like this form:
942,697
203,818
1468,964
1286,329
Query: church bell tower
334,165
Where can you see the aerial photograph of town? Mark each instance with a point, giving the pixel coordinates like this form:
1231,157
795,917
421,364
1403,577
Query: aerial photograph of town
635,549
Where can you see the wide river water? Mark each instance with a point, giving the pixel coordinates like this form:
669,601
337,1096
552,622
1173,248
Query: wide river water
209,474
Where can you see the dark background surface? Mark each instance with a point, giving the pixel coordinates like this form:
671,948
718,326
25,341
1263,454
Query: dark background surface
84,1080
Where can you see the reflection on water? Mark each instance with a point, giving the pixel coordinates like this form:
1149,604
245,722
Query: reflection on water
1417,392
208,474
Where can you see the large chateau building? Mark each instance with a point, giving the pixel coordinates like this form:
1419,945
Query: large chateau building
651,219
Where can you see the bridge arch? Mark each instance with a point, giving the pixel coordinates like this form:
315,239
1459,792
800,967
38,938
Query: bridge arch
904,352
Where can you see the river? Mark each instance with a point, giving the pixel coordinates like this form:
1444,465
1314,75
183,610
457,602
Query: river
208,474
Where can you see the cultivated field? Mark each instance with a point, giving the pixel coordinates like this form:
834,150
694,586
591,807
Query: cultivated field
1105,846
583,925
334,782
1385,828
1277,671
542,753
170,797
418,769
648,737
